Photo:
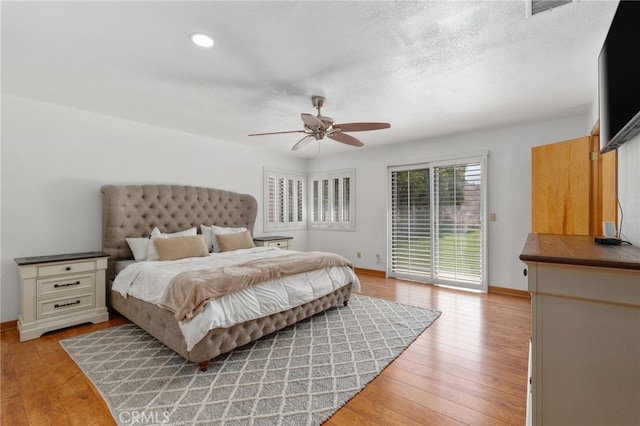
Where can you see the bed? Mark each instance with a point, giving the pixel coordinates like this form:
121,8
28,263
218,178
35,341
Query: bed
134,211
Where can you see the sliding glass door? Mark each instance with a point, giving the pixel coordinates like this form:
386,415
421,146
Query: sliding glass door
437,223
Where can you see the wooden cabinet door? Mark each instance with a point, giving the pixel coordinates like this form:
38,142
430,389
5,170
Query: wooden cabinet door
561,187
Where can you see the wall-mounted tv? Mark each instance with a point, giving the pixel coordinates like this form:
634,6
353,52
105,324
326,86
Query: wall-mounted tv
619,78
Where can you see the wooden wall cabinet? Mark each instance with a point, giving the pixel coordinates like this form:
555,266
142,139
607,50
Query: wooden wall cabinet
573,187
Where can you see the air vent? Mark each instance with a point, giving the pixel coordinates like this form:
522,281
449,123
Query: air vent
538,6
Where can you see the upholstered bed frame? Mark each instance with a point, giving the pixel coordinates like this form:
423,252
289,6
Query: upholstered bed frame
134,210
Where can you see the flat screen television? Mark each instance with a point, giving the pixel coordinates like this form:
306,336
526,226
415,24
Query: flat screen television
619,78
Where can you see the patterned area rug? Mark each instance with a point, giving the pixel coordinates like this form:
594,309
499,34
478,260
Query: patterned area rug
300,375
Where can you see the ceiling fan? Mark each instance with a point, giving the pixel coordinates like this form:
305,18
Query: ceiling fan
318,126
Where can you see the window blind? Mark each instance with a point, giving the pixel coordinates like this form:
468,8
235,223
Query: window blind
411,223
436,224
458,252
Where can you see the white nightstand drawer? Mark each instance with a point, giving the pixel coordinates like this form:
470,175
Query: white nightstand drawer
64,284
65,268
283,244
47,308
273,241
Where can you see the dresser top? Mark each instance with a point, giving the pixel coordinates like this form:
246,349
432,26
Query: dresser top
58,257
579,250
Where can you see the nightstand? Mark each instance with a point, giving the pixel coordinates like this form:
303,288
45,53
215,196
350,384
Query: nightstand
59,291
273,241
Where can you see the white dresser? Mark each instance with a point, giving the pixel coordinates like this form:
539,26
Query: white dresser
585,337
61,290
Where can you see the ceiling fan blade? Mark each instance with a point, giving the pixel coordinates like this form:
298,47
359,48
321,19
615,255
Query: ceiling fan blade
302,142
344,138
277,133
311,121
361,127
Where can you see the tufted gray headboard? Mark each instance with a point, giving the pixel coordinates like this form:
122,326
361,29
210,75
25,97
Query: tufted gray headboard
134,210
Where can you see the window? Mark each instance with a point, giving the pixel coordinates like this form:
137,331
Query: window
437,222
332,201
284,196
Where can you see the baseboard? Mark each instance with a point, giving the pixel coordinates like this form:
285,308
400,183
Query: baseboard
509,292
491,289
9,325
371,272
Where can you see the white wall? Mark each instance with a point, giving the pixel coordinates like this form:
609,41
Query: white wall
629,189
628,181
55,159
509,192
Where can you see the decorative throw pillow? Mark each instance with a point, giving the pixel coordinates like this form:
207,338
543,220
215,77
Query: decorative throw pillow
222,230
181,247
138,247
152,253
235,241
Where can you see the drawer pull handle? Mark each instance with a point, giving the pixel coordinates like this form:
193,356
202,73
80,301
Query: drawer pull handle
66,285
66,304
68,268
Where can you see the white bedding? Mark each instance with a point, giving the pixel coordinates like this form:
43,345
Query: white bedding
148,281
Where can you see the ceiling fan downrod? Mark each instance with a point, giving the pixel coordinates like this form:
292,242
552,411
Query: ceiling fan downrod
318,103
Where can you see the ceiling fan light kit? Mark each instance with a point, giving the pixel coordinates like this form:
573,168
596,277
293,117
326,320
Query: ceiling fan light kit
318,126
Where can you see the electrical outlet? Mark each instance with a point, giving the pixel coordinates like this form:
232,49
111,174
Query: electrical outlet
493,217
377,258
358,255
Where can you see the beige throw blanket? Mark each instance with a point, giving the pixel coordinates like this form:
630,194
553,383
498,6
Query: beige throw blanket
188,292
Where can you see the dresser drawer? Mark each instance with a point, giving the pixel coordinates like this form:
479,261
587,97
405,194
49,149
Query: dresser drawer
65,268
49,287
48,308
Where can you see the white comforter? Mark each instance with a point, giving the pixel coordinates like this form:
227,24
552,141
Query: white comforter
148,281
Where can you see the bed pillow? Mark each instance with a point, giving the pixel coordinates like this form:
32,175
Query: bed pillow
152,253
138,247
222,230
207,232
181,247
235,241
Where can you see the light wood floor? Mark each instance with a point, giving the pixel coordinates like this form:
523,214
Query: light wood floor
469,367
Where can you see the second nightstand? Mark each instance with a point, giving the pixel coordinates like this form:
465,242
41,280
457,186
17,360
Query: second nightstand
273,241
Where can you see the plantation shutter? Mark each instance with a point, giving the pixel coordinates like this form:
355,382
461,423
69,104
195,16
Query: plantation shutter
332,200
300,201
272,193
346,199
284,199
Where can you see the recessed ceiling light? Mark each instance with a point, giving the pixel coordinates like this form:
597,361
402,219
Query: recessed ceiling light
202,40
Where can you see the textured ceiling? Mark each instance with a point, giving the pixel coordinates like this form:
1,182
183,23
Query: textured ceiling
428,68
